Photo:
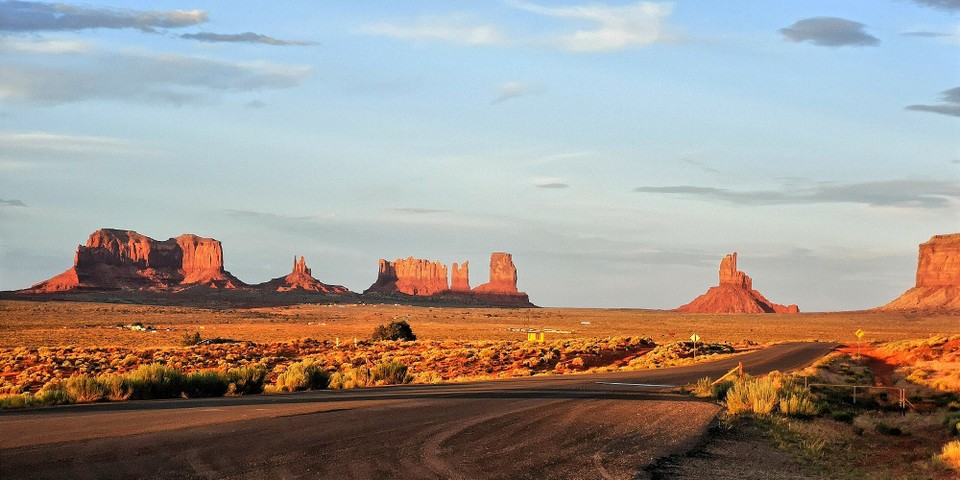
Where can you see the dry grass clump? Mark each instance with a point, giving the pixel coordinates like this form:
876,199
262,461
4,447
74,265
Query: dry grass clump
950,454
304,375
765,395
384,373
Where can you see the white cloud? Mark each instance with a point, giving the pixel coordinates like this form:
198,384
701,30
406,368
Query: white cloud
614,28
610,28
31,143
516,89
550,182
450,28
44,46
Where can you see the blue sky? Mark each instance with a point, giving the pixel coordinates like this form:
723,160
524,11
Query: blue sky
617,149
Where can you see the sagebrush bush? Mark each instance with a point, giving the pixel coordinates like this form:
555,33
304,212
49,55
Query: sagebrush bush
950,454
703,388
246,380
798,403
207,383
84,389
52,394
155,381
303,375
757,395
389,373
17,400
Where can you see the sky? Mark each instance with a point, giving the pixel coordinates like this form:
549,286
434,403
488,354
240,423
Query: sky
617,149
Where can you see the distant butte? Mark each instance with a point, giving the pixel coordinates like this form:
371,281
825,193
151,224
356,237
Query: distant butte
735,294
126,260
938,277
301,278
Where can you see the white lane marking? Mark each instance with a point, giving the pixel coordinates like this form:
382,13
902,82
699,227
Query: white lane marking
649,385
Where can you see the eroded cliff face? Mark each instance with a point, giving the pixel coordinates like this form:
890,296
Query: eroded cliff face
411,276
938,277
301,279
124,259
503,276
460,277
735,294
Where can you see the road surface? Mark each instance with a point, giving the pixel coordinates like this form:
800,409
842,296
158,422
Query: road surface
574,426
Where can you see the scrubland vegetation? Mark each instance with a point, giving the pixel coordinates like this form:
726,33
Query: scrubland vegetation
835,435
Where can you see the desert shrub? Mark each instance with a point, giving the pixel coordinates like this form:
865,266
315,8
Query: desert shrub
797,402
304,375
207,383
115,387
703,388
190,339
84,389
52,394
720,390
887,429
389,373
394,331
246,380
844,416
155,381
17,400
950,454
757,395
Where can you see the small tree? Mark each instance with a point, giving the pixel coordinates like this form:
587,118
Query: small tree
395,331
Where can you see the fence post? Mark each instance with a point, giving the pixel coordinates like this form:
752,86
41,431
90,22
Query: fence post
854,394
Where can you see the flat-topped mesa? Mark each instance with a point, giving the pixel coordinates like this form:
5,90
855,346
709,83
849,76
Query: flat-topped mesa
735,294
411,276
938,277
301,279
124,259
460,277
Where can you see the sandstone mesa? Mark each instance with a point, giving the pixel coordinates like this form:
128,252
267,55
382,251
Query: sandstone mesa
301,278
938,277
735,294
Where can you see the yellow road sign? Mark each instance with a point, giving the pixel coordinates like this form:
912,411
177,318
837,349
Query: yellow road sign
695,337
859,333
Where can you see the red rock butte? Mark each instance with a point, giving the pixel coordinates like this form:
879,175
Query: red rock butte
735,294
425,278
124,259
938,277
301,278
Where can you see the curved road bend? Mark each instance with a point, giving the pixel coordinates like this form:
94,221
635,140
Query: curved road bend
540,427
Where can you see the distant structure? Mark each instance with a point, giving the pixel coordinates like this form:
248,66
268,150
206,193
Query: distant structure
735,294
301,279
938,277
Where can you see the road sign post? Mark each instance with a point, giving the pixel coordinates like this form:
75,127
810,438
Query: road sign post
695,338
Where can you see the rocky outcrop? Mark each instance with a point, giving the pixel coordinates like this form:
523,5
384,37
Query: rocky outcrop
502,287
123,259
938,277
503,276
411,276
460,277
735,294
301,279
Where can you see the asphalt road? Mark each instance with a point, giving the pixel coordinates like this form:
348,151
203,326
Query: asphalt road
541,427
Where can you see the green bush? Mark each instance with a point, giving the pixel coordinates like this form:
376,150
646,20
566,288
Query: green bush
17,400
768,394
887,429
116,387
798,402
395,331
720,390
84,389
304,375
207,383
52,394
389,373
190,339
155,381
246,380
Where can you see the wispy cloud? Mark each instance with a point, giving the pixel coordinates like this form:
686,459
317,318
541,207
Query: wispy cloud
550,182
450,28
139,76
890,193
610,28
950,105
829,32
12,203
941,4
17,16
44,46
17,144
700,165
511,90
613,28
246,37
418,211
925,34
